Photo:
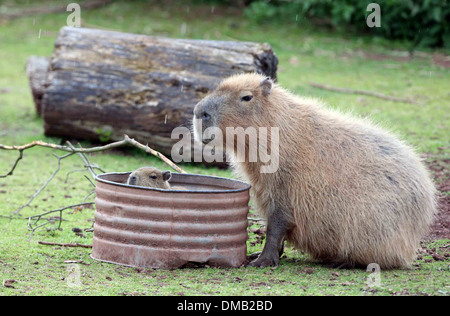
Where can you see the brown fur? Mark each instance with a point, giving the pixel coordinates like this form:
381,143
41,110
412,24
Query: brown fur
150,177
350,192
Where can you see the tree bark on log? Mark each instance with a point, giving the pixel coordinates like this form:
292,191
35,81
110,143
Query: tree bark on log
101,84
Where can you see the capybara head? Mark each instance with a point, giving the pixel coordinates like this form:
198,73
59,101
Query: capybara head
234,103
150,177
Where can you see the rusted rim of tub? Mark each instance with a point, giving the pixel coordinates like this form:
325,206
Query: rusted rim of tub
233,182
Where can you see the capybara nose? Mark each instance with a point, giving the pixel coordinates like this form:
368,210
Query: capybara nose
132,180
201,113
198,111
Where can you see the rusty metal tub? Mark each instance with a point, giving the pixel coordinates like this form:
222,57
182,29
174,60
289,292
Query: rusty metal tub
154,228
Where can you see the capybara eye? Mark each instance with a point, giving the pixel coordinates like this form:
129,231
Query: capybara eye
247,98
205,116
153,177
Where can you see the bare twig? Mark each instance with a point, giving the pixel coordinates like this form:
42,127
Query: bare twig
87,196
85,160
63,244
14,166
72,171
126,141
17,211
90,180
147,149
363,92
33,220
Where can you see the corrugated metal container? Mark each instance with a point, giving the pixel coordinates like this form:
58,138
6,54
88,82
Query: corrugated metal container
147,227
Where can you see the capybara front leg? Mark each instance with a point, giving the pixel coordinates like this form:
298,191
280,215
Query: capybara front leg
277,228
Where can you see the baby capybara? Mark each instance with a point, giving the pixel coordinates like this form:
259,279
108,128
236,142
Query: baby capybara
150,177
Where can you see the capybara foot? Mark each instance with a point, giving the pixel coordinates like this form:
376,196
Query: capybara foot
263,261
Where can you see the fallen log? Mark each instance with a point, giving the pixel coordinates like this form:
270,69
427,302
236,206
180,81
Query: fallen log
101,84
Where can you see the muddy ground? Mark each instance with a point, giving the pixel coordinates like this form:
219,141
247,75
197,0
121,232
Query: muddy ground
440,169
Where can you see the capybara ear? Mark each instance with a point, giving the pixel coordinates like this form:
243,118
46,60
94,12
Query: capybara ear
166,175
266,86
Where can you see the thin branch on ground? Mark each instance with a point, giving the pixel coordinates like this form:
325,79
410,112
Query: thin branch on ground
89,180
34,220
17,211
73,171
64,244
14,166
363,92
85,160
127,141
87,196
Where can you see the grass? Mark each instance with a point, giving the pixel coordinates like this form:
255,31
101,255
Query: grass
306,55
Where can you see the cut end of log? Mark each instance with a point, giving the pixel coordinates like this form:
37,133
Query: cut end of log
37,69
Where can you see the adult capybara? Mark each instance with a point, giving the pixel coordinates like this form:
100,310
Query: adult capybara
345,191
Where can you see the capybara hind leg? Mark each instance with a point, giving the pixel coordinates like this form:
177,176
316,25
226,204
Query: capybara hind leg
255,255
277,228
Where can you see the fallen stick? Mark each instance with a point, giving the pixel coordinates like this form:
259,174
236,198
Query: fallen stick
45,184
363,92
63,244
70,149
126,141
38,217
